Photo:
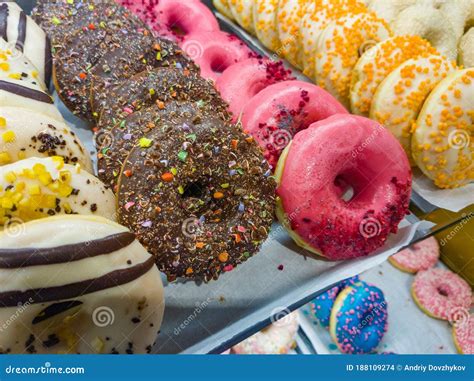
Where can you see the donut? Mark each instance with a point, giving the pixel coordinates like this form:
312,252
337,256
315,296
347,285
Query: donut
442,141
377,63
199,196
21,32
463,335
242,81
78,285
289,18
321,165
276,339
466,53
223,7
21,86
174,19
321,306
339,47
359,319
315,21
214,52
157,87
401,95
31,134
40,187
418,257
440,293
389,10
278,112
242,12
266,23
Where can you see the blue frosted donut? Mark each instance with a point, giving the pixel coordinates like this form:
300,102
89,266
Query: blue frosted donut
321,306
359,319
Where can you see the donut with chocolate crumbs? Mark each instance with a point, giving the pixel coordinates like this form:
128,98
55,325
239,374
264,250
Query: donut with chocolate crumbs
157,87
200,199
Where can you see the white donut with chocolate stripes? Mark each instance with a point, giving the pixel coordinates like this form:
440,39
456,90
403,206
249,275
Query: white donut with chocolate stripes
77,284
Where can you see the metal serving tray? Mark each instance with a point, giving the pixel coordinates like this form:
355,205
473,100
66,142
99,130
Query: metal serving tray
210,318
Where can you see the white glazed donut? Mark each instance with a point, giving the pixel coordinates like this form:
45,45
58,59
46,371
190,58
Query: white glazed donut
40,187
466,49
389,10
378,62
339,47
400,97
242,10
320,13
278,338
36,135
443,140
21,32
21,85
77,284
265,23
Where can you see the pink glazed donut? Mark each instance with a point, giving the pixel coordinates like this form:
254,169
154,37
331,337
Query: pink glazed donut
242,81
420,256
278,112
322,164
463,334
215,51
441,294
174,19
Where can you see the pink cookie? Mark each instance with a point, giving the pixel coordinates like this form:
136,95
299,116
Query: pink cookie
242,81
441,293
214,52
420,256
174,19
463,334
277,113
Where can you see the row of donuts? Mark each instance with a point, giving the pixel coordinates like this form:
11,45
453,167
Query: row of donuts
402,81
54,216
273,108
438,292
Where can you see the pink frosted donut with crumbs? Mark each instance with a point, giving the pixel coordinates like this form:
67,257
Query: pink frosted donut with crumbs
420,256
463,334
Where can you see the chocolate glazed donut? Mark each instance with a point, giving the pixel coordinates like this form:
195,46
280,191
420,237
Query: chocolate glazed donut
199,197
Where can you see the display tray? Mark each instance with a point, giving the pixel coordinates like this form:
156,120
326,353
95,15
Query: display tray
210,318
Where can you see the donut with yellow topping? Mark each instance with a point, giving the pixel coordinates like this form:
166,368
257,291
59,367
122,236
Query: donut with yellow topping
40,187
265,23
223,7
443,138
242,12
377,63
400,97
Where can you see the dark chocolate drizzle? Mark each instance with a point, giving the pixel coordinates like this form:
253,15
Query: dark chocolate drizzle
48,62
25,92
77,289
4,11
25,257
55,309
20,41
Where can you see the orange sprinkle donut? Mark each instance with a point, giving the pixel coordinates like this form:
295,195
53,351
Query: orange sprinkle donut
319,14
377,63
290,14
265,23
242,10
400,97
339,48
223,7
443,139
466,51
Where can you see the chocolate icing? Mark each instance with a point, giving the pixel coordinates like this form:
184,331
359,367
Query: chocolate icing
48,62
74,290
55,309
20,41
25,92
4,11
25,257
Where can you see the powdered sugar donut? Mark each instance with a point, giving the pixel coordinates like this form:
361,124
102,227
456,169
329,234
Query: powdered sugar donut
174,19
441,293
242,11
401,95
242,81
278,338
266,23
278,112
320,165
466,52
442,143
463,334
339,47
214,52
420,256
377,63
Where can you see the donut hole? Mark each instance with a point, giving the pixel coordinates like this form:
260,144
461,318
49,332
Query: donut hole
345,190
175,24
442,291
219,60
